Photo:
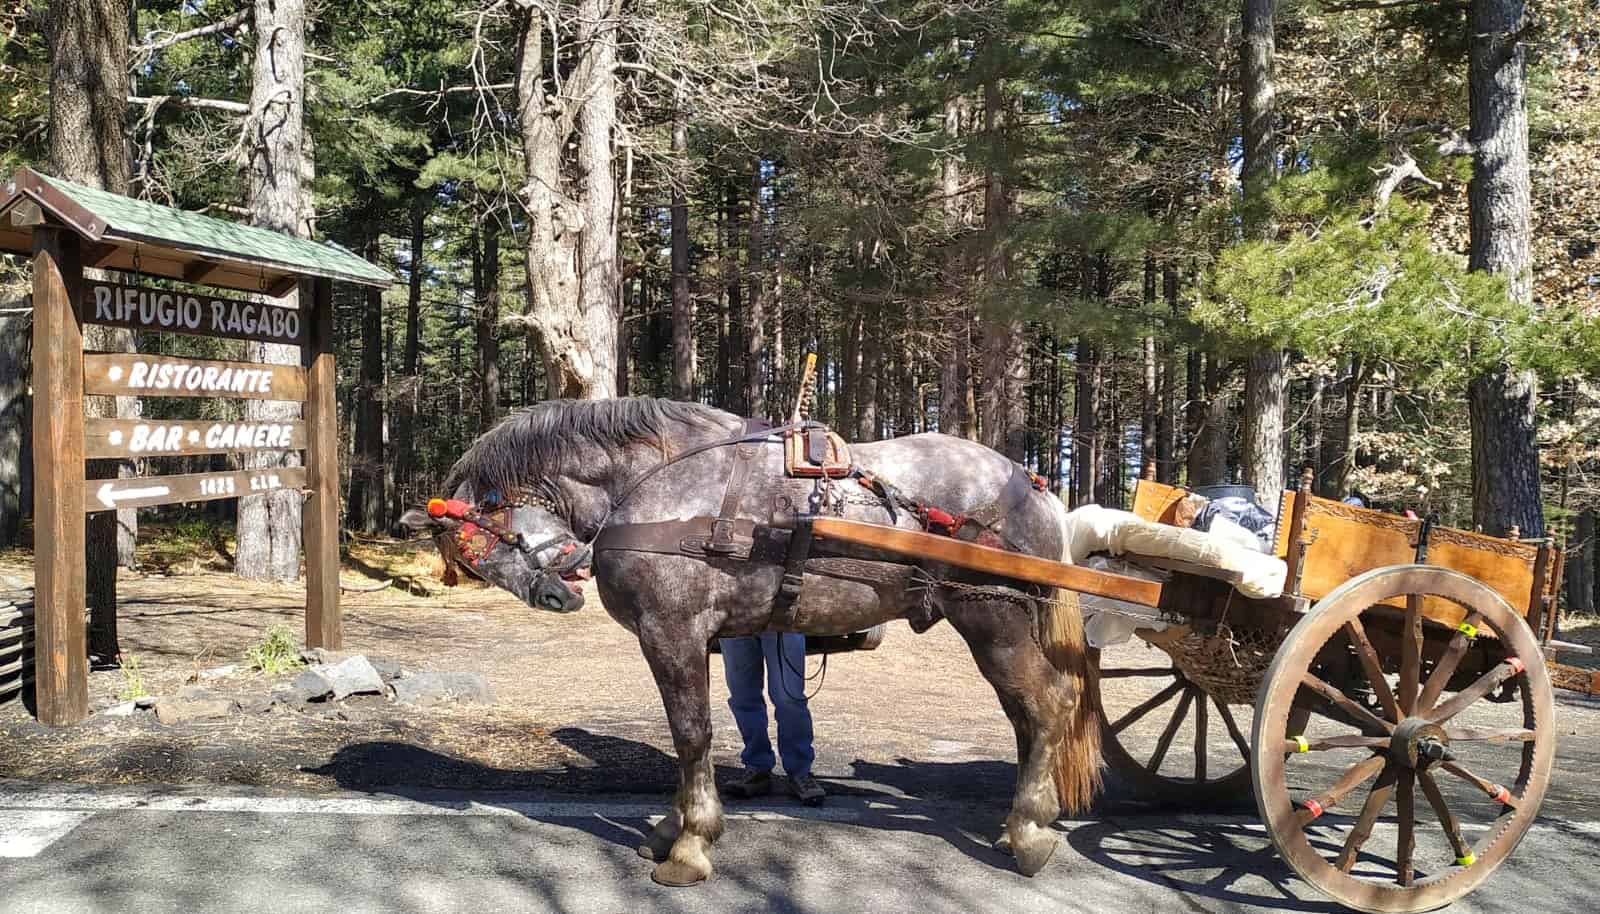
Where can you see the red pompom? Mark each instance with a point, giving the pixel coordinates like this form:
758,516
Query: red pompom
436,507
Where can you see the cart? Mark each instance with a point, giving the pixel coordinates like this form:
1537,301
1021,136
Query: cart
1400,730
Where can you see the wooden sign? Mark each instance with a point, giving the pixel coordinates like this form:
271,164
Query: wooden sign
132,375
166,310
129,438
143,491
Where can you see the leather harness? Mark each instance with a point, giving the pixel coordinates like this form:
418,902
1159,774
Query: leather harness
729,536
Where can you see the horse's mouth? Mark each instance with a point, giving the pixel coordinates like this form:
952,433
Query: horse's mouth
574,579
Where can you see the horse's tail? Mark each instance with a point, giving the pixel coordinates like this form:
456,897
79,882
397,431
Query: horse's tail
1077,770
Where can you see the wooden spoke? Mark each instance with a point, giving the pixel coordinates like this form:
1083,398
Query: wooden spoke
1411,655
1323,744
1362,830
1354,777
1447,820
1234,732
1124,672
1490,789
1364,718
1406,815
1165,743
1469,734
1465,698
1146,706
1446,667
1373,667
1199,736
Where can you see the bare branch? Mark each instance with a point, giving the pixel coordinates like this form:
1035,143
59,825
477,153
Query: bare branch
224,24
152,102
1391,176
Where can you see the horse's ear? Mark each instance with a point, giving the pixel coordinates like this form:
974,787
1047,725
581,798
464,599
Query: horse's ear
418,520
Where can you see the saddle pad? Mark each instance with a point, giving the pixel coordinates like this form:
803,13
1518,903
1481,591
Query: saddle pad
798,449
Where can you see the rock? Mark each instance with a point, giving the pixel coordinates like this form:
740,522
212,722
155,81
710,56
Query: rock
321,656
388,669
256,703
434,688
352,676
178,710
121,709
219,672
310,685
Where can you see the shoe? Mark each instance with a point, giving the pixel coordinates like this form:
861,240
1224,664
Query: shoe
807,789
753,783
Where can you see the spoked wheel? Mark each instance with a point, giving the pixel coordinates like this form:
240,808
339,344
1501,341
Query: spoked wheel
1168,740
1429,749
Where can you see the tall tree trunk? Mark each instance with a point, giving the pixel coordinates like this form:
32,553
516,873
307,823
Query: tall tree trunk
88,42
1351,433
16,422
368,497
683,335
408,392
1311,451
1208,454
1150,403
1505,448
955,376
867,384
1086,427
755,337
1004,424
1166,420
1264,384
488,299
572,221
279,199
1580,564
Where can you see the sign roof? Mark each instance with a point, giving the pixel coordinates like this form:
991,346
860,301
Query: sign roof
173,242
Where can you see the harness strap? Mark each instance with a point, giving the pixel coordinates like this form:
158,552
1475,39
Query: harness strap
794,573
690,537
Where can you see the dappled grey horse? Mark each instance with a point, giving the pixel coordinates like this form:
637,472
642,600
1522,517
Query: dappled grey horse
689,510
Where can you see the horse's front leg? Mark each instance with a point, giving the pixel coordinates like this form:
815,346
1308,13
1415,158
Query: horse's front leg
695,822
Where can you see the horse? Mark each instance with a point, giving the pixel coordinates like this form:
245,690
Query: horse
683,507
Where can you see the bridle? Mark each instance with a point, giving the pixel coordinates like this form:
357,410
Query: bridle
484,528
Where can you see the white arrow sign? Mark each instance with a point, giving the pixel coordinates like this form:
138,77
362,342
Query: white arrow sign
109,496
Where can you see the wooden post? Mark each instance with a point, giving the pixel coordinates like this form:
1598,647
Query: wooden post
320,518
61,666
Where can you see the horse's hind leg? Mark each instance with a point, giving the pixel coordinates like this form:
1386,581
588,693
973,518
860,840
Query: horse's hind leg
1037,698
679,666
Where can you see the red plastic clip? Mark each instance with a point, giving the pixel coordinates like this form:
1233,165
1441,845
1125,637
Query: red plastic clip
942,518
1501,795
1313,807
1517,666
455,507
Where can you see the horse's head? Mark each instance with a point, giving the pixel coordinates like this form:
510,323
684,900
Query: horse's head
517,544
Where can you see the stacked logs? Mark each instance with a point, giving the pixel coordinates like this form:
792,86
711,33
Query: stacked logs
16,643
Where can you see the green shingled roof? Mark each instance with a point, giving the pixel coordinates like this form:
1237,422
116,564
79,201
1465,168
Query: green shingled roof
142,220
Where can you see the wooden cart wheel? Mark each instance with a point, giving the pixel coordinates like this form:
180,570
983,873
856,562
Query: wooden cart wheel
1395,735
1170,742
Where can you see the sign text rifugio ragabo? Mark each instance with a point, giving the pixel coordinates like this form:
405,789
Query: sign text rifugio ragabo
173,311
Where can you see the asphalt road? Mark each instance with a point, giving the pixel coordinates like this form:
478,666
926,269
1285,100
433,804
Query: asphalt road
65,849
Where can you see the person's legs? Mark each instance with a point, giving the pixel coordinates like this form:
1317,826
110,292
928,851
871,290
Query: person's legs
742,662
787,685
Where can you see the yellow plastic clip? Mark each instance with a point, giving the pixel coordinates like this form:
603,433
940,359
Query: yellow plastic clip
1471,631
1468,860
1301,745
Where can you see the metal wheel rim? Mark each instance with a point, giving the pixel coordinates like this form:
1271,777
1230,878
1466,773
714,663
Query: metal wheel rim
1283,680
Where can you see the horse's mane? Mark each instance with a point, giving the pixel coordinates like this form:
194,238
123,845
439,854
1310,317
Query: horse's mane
518,452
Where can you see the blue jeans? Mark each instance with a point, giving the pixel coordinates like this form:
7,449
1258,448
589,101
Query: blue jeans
742,659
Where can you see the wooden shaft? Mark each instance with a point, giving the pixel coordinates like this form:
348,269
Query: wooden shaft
61,659
988,560
320,517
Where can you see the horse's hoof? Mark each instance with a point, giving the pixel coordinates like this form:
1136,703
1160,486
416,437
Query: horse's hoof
1003,843
1032,854
678,874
